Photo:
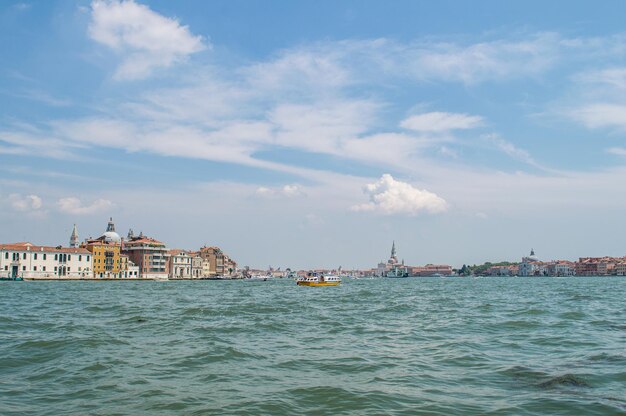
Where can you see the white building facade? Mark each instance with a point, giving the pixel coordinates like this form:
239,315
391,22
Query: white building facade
179,264
41,262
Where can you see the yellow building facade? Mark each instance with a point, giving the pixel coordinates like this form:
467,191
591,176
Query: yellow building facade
106,258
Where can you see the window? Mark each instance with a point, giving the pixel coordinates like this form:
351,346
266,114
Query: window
55,268
80,258
6,267
68,269
6,255
24,256
56,257
23,268
69,257
44,267
87,258
35,256
44,256
34,268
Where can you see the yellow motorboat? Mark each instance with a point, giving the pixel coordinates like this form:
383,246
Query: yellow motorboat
318,279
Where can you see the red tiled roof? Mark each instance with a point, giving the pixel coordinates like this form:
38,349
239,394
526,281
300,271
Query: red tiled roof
143,240
177,251
45,249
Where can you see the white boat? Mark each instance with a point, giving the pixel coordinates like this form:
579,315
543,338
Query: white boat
319,279
397,272
260,277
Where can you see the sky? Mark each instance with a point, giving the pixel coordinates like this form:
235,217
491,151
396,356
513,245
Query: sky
314,133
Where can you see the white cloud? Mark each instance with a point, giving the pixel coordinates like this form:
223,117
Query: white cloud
612,77
33,142
601,115
389,196
73,205
285,191
305,69
485,61
440,122
25,203
510,149
324,126
618,151
147,39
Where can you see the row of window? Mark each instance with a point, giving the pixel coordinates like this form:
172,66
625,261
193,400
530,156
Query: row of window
57,257
43,268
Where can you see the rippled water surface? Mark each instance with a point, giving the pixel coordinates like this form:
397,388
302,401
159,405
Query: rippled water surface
368,347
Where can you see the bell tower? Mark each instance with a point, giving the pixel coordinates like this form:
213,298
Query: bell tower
74,237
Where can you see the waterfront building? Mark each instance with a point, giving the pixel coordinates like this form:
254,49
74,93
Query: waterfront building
106,258
531,266
206,267
392,266
196,265
29,261
128,269
149,255
587,266
106,251
620,267
498,271
561,268
179,262
381,269
596,266
432,270
215,258
230,266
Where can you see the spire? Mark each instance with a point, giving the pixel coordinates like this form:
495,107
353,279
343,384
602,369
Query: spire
532,252
393,249
74,237
110,225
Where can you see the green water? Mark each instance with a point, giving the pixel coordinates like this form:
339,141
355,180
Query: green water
368,347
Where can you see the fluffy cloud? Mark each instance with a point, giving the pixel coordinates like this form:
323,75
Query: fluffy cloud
25,203
389,196
73,205
147,39
440,122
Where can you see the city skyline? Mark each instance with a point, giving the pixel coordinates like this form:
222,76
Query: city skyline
314,134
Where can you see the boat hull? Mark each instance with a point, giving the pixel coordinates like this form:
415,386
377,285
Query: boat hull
316,284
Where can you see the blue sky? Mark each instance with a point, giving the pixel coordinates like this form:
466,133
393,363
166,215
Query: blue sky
309,134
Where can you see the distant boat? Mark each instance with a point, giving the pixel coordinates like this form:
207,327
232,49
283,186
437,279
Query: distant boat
319,279
263,277
397,272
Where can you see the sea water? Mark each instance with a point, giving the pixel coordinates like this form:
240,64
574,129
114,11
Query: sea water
437,346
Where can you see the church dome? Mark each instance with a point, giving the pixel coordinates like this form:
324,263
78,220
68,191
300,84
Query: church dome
110,236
